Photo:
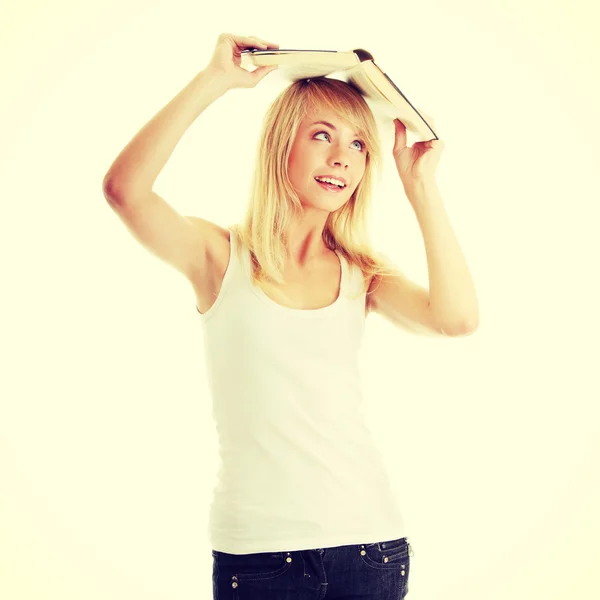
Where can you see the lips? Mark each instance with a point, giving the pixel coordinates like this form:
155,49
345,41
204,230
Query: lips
330,187
334,177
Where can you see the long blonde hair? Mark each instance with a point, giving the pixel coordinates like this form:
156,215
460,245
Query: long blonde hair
274,203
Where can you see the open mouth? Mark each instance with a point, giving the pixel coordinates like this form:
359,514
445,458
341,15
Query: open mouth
332,187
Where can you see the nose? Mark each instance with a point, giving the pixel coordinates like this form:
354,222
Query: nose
340,158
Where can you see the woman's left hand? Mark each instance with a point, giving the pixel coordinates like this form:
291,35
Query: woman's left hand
416,163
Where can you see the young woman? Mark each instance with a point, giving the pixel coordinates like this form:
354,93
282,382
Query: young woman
303,507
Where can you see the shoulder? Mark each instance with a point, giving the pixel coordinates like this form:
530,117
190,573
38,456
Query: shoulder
360,281
371,283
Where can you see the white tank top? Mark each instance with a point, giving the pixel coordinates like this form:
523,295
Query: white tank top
298,466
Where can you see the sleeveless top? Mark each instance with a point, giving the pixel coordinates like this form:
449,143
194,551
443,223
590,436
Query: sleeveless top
298,466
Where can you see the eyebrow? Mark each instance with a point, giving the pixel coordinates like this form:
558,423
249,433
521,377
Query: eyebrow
330,125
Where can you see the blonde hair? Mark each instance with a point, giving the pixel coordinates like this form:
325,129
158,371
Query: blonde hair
274,203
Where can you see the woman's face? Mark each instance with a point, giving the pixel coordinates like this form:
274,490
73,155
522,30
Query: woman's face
333,149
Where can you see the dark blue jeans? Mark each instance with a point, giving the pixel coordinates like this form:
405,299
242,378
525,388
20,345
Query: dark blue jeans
377,571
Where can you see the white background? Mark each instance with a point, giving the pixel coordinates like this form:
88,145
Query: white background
107,444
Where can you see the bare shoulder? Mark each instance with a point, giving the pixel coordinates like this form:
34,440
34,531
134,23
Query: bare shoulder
373,282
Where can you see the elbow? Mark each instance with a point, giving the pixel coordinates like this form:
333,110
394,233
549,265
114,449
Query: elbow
113,190
109,187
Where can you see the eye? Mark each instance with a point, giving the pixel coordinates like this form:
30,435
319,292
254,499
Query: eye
362,145
322,132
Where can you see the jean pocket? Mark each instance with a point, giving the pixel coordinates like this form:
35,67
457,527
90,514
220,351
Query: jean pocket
252,567
391,554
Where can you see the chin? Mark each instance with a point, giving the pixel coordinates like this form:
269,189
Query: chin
331,204
325,206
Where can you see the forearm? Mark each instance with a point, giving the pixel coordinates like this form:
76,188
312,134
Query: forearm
453,299
138,165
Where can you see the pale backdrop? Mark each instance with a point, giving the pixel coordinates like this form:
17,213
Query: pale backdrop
107,444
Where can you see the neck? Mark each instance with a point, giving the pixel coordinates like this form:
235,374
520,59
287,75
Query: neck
305,239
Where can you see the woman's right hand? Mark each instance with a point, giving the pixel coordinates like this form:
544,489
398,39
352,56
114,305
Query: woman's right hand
227,58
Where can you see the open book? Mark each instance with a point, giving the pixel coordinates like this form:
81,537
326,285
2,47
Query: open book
353,66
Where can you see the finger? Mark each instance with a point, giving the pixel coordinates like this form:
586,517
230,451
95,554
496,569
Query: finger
400,137
262,72
258,42
245,41
265,43
399,125
269,44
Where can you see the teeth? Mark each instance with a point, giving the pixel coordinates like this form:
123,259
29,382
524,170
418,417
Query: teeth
330,180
